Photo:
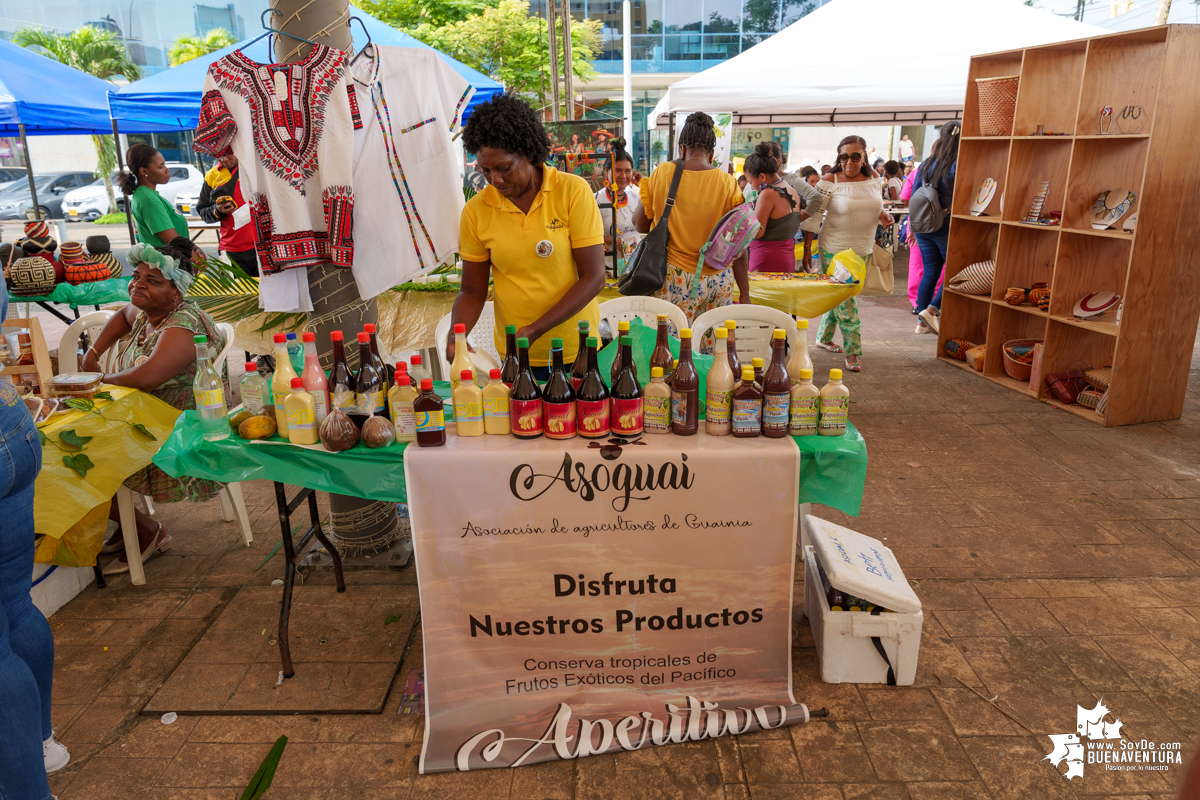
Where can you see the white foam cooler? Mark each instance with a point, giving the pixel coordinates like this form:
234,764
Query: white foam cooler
864,567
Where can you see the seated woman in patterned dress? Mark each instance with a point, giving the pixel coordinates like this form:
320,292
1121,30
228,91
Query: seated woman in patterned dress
156,353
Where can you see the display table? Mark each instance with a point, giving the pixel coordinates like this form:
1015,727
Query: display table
96,293
798,294
71,511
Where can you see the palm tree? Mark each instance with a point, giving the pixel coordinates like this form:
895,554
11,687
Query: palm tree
188,47
94,51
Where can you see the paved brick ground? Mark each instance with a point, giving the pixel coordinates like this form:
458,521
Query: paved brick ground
1058,562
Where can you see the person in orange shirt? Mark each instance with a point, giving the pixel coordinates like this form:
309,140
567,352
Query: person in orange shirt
705,195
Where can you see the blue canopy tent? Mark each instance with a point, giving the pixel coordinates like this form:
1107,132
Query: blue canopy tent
172,97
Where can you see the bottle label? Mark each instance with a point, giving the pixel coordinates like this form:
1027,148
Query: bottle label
747,415
320,404
804,416
626,416
430,421
526,416
679,407
717,406
560,420
301,419
278,398
405,420
495,407
342,398
775,410
364,403
468,412
212,399
834,413
656,414
252,399
592,417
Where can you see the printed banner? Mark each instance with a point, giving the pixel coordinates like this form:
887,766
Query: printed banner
723,128
580,599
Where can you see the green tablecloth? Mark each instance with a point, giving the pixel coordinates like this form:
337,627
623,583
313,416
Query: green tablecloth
96,293
833,469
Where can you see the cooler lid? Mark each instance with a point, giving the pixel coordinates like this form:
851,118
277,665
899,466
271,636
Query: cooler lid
861,566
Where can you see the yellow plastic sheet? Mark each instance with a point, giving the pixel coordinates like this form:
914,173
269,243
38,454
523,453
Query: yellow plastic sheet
66,506
801,295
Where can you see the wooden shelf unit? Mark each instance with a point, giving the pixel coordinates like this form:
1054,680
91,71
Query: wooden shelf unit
1155,268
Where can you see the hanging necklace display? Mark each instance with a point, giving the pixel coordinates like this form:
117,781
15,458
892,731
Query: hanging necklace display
1132,119
1105,119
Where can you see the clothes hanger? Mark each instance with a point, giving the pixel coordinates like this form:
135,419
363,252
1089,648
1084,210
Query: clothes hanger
269,30
369,43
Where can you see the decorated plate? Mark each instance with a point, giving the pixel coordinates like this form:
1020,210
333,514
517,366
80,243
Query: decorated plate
983,196
1110,206
1095,304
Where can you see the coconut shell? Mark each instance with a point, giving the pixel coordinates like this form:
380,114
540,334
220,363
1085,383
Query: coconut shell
338,432
378,432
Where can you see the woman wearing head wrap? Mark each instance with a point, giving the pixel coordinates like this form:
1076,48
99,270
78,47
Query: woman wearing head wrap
155,352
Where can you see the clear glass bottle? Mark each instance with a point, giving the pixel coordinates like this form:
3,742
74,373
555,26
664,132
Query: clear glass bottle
295,353
256,392
417,370
210,395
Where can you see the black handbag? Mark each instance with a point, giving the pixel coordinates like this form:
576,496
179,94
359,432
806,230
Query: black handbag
647,269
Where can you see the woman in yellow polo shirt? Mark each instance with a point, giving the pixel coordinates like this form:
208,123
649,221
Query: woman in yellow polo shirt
536,230
705,194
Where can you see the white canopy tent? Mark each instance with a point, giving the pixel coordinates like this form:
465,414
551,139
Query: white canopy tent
832,68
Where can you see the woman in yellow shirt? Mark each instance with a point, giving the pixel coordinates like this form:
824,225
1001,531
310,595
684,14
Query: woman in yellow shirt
536,230
705,195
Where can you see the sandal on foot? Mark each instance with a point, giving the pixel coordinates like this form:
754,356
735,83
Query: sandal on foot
830,346
853,366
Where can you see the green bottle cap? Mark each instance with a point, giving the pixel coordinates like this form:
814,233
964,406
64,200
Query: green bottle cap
200,339
510,328
584,325
522,342
627,340
592,341
556,343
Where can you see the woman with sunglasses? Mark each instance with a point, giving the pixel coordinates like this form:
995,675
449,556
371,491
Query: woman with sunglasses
853,208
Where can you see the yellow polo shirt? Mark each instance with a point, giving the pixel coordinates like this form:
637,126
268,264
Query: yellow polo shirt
527,285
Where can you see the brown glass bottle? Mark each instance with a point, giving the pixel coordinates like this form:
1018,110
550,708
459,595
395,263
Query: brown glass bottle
591,400
431,416
371,390
757,363
511,366
558,398
525,405
622,330
580,367
661,357
777,390
342,386
685,390
385,370
731,351
625,415
747,407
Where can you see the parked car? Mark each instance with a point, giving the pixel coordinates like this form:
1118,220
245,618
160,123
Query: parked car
10,175
52,187
185,203
91,201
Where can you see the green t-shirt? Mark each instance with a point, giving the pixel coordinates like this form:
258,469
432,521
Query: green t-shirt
153,214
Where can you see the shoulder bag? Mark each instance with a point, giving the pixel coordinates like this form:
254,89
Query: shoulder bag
647,270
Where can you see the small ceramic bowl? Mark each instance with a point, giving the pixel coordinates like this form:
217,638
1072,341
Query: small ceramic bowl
1015,296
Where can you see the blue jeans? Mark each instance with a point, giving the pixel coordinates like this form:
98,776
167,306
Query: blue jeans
26,645
933,256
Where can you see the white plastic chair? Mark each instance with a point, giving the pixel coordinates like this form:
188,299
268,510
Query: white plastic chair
647,309
485,357
755,326
68,345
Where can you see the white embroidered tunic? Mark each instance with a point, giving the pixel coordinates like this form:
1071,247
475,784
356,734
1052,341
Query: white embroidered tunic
290,127
407,104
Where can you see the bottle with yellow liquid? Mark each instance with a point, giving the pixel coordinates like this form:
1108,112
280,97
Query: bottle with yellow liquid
656,403
495,406
835,406
805,410
718,402
281,382
400,405
468,406
462,356
301,413
800,358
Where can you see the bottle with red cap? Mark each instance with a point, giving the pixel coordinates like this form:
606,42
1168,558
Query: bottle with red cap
301,415
313,377
256,392
281,382
368,400
382,366
468,406
342,386
495,405
417,370
400,405
431,416
462,356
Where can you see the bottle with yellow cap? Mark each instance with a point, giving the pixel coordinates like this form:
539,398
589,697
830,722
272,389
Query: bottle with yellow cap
777,389
800,357
622,330
835,406
685,390
656,403
805,405
757,364
731,351
747,407
719,389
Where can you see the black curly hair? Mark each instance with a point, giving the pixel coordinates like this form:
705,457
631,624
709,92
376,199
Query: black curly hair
507,122
697,131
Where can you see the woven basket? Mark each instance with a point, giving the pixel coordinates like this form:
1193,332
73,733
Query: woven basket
1100,378
997,104
1018,370
975,279
1089,398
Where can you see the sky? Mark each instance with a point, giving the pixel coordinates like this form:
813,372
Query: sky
1142,15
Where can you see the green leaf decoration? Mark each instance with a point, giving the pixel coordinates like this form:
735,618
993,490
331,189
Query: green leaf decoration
266,771
43,437
72,439
391,619
140,428
80,404
103,396
80,463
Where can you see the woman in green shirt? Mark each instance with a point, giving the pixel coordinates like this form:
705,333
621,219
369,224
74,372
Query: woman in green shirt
157,222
